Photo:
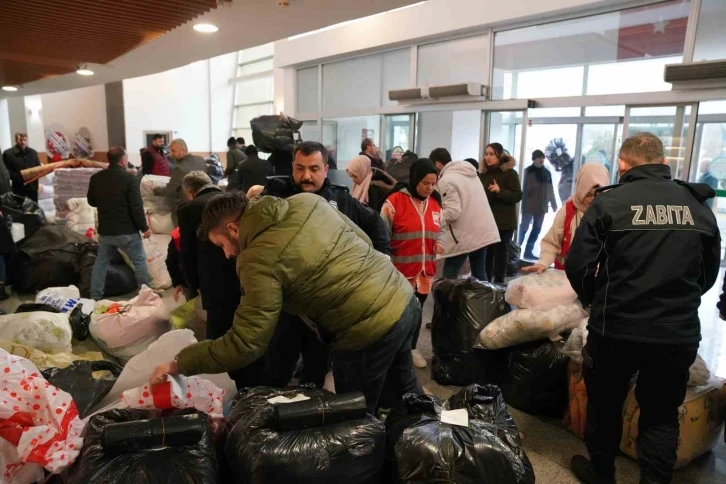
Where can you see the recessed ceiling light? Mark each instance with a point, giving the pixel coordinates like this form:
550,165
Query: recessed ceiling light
10,88
84,72
206,28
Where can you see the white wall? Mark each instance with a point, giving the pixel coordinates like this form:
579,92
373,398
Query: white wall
34,123
182,100
76,109
465,134
431,19
6,140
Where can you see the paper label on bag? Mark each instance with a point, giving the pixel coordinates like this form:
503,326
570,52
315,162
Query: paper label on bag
458,417
281,399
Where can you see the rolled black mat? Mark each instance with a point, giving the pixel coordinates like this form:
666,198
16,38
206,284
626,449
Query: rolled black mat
320,411
134,436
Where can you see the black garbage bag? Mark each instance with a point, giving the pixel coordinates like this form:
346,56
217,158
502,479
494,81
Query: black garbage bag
214,168
462,308
513,251
140,435
7,244
536,381
47,258
80,322
120,278
420,448
23,211
77,379
349,451
175,462
36,307
275,132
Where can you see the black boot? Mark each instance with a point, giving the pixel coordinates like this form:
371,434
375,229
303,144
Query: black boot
583,470
3,293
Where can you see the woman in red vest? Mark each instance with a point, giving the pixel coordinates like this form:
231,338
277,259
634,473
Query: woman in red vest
556,244
412,212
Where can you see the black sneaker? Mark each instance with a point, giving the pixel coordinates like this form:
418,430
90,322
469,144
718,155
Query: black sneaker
3,293
583,470
428,325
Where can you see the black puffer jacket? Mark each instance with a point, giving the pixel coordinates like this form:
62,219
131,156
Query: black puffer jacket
368,220
16,160
115,193
644,253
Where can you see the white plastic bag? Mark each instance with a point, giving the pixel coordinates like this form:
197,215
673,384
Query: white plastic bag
138,370
129,331
64,299
152,203
524,325
47,332
155,248
36,418
17,231
550,288
82,216
576,341
160,223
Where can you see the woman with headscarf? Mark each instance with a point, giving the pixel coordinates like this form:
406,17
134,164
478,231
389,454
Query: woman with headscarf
412,213
370,185
556,244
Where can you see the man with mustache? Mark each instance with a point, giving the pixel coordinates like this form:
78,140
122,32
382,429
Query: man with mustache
292,336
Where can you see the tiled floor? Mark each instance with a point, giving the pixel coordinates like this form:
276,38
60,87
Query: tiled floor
548,445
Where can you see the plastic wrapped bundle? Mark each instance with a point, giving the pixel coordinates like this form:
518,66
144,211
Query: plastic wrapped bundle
525,325
70,183
275,132
152,203
350,451
214,168
47,332
537,379
469,439
550,288
79,381
115,455
46,360
462,308
82,216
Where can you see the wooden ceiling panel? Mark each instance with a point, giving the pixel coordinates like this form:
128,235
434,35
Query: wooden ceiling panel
43,39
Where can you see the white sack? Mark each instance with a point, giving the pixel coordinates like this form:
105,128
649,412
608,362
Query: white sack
64,299
152,203
524,325
82,216
138,370
550,288
160,223
156,249
47,332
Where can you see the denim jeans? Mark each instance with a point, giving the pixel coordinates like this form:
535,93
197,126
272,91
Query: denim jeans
107,246
387,361
477,260
536,221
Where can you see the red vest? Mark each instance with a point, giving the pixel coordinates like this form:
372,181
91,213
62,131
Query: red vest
414,235
570,212
161,165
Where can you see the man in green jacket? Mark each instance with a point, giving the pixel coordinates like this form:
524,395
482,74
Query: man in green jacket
303,256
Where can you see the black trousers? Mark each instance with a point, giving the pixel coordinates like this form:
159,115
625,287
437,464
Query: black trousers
293,338
219,320
498,257
608,367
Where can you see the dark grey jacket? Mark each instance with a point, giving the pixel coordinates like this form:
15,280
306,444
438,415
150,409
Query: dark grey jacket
234,158
173,191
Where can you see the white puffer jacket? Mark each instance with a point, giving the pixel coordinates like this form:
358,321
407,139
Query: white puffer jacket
469,220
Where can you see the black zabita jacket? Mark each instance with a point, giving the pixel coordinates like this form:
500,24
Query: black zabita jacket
644,253
367,219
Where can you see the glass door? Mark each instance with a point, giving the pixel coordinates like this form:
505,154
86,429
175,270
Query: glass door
400,131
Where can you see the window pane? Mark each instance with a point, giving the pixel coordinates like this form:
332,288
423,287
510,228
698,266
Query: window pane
307,90
396,73
352,84
342,136
255,67
711,35
256,53
243,114
605,111
670,124
549,59
399,133
254,90
310,131
454,61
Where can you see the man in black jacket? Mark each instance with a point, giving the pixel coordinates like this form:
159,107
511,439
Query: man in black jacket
235,156
368,148
207,270
645,252
115,192
292,336
253,171
18,158
537,194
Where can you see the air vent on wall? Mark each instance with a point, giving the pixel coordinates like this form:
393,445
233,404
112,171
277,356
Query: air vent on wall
696,75
464,91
